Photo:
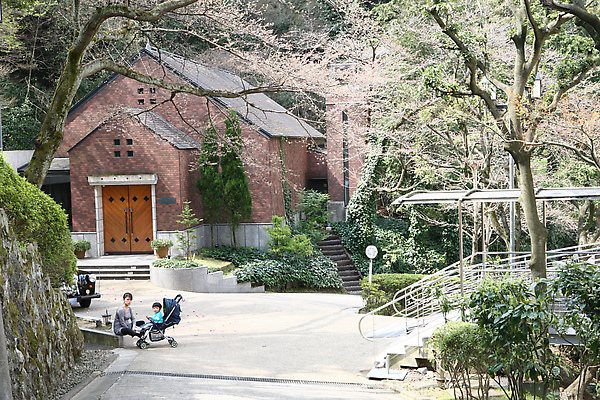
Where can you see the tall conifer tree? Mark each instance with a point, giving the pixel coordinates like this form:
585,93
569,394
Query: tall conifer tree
210,183
237,199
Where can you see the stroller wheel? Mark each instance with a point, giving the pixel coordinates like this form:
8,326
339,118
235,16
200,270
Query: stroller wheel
141,344
173,343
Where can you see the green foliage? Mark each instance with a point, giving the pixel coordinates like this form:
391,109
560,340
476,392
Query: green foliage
161,243
210,183
383,288
315,272
35,217
19,127
186,239
404,247
236,192
459,349
284,243
81,245
314,216
175,263
237,255
579,284
515,318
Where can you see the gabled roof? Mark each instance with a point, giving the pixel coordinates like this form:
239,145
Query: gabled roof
163,129
269,117
157,124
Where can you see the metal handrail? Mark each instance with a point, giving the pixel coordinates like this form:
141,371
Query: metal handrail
420,300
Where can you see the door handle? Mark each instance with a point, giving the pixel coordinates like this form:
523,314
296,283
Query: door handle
126,230
131,219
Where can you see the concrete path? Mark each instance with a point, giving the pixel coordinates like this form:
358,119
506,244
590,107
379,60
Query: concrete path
241,346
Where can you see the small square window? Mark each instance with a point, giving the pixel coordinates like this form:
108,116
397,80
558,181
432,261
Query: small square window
129,142
140,101
152,90
130,153
117,154
141,90
152,101
117,142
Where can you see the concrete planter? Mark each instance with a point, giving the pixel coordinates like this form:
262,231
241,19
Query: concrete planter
198,280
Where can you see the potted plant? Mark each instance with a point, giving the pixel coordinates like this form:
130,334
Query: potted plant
161,247
81,246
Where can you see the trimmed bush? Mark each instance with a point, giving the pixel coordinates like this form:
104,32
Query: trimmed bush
459,349
238,256
383,288
317,272
35,217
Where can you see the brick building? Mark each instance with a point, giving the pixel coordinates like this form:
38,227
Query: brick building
133,150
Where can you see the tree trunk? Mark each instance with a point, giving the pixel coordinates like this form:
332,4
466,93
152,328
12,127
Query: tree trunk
537,230
52,130
576,390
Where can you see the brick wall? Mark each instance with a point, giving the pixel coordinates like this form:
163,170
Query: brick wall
177,170
353,131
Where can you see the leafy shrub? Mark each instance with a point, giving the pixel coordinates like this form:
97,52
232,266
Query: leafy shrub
459,349
81,245
579,285
403,247
316,272
161,243
516,319
237,255
313,213
283,242
382,289
35,217
175,263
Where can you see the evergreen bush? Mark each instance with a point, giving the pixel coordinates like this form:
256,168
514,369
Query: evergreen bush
459,349
383,288
237,255
316,272
35,217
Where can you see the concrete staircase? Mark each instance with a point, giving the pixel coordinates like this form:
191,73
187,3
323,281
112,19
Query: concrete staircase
332,247
135,266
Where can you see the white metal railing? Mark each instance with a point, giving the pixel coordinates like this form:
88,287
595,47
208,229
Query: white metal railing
420,300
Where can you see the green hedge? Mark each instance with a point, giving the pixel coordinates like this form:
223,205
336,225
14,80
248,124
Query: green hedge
35,217
317,272
238,256
180,263
383,288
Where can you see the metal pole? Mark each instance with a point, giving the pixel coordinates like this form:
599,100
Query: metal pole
483,243
511,185
460,250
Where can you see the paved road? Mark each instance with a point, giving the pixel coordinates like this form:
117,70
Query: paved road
241,346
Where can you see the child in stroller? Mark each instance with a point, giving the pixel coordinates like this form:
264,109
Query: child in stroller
156,331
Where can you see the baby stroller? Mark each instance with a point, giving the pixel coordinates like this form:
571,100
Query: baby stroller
156,332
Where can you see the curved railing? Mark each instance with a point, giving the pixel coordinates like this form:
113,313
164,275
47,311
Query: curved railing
420,300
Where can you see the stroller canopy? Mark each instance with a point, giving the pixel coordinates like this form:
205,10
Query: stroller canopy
172,311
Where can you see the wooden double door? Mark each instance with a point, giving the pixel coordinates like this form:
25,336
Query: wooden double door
127,219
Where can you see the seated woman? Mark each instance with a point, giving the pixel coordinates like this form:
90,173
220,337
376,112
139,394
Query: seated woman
124,319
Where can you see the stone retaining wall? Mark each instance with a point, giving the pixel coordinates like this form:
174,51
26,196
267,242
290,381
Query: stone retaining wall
42,337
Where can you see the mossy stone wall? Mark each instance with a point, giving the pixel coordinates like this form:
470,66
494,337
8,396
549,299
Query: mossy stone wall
42,337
